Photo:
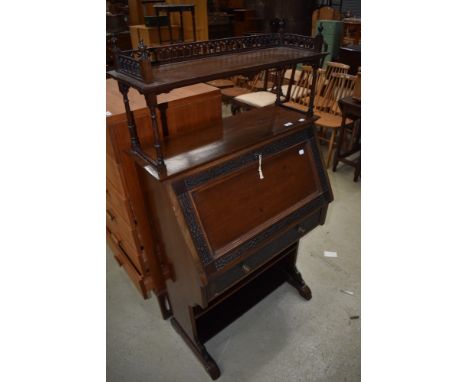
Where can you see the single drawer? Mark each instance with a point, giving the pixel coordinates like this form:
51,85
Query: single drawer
251,263
123,259
120,227
126,237
113,175
119,204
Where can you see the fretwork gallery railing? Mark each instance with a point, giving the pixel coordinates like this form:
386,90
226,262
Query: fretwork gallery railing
137,63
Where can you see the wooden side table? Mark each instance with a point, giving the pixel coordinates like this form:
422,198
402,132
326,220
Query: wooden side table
178,8
350,108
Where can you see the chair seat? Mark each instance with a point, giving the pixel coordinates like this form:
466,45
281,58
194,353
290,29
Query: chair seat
257,99
234,92
221,84
330,121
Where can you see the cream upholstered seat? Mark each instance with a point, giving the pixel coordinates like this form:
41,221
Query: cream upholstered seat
257,99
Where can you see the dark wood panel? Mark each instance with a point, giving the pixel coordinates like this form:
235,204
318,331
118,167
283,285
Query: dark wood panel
234,209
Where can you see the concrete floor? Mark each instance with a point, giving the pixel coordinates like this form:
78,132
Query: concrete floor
283,338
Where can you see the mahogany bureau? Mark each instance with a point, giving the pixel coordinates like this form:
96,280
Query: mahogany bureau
229,202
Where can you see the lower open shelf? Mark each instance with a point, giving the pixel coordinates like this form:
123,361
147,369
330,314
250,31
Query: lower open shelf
214,320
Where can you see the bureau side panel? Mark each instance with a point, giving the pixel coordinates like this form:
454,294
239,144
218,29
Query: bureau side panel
184,288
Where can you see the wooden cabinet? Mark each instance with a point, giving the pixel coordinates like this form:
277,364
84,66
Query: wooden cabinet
225,201
126,220
332,35
150,35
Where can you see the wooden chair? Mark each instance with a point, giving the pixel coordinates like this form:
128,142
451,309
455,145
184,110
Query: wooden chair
328,111
330,69
326,106
288,75
261,98
265,80
298,95
243,85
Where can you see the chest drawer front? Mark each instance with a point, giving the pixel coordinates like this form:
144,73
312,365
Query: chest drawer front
239,205
126,236
116,223
119,204
113,175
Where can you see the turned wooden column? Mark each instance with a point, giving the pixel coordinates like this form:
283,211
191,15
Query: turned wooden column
134,141
152,103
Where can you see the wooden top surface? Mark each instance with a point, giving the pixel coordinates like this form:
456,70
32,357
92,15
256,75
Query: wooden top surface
184,73
115,105
231,135
214,66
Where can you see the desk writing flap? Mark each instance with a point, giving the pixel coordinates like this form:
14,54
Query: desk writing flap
247,200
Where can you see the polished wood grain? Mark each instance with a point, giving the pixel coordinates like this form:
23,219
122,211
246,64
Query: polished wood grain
232,206
228,136
240,213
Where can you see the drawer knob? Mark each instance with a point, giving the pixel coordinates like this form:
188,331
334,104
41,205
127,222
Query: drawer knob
301,230
246,268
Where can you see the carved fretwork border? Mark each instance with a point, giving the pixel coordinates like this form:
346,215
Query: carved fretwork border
129,60
183,188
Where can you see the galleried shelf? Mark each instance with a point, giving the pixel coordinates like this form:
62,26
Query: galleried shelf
226,204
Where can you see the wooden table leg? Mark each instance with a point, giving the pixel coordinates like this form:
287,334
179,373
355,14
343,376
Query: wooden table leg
170,27
159,26
194,25
182,36
336,159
